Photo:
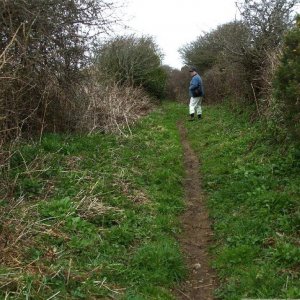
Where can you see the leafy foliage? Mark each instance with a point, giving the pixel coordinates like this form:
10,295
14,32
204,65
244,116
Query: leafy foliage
237,59
267,22
220,46
132,60
287,80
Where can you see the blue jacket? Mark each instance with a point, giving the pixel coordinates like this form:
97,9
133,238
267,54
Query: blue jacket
195,83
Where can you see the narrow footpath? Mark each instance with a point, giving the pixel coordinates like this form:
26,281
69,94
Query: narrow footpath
196,235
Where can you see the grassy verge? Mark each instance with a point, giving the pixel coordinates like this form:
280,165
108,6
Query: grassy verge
90,217
253,189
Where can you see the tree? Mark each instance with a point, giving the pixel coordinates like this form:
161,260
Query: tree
225,43
219,56
201,53
43,46
236,55
132,60
267,22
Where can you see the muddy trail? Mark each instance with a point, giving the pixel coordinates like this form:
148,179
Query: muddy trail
196,233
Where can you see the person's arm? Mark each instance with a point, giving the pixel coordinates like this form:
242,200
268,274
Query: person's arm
194,83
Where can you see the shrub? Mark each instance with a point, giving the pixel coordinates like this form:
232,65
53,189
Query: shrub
218,55
287,80
112,107
177,84
241,50
43,44
132,61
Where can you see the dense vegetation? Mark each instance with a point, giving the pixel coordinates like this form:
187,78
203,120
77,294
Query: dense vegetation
134,61
287,79
43,48
58,68
49,77
239,60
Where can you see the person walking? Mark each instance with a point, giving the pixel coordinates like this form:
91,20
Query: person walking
196,92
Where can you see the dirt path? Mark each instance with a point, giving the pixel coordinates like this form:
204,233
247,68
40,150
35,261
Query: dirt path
196,236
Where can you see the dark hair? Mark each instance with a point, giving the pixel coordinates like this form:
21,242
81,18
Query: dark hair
192,69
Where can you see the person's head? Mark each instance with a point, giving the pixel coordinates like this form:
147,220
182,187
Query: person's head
193,71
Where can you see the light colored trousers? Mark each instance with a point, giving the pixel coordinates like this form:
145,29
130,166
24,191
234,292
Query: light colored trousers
195,105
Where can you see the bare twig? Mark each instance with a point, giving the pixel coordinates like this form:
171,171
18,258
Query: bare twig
53,295
256,102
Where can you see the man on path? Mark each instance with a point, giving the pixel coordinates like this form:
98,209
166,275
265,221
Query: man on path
196,93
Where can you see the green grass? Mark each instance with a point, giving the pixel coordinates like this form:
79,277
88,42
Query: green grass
89,217
253,190
95,217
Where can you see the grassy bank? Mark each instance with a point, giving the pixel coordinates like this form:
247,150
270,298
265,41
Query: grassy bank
86,217
253,189
91,217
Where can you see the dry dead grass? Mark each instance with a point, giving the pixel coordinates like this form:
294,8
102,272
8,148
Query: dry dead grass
114,108
20,230
136,196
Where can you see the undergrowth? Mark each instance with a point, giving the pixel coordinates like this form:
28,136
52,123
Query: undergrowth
252,184
92,217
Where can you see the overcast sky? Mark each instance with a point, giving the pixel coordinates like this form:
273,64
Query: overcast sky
173,23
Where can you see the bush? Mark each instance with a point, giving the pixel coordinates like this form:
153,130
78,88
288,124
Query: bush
131,61
221,83
112,107
287,80
241,50
177,84
43,46
218,55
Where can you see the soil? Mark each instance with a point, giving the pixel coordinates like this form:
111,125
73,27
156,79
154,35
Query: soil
196,236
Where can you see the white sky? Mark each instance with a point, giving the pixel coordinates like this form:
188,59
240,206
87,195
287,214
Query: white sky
173,23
